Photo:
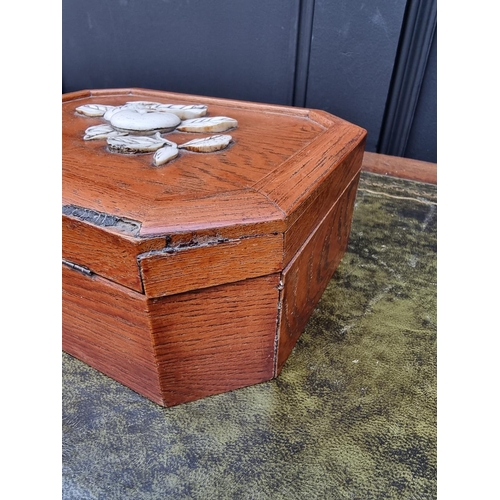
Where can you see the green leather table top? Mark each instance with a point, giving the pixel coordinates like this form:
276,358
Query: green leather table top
352,415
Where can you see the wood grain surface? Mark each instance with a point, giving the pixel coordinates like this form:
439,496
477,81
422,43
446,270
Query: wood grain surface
303,221
108,327
286,164
106,252
215,340
128,185
307,275
199,276
173,349
210,263
277,152
405,168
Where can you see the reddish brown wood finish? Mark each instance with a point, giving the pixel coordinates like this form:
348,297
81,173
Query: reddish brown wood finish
229,252
209,264
128,186
108,327
395,166
108,253
215,340
316,206
173,349
307,275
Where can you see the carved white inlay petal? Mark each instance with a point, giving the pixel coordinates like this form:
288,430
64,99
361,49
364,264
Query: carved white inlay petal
93,109
165,154
139,106
184,112
100,132
207,144
143,123
210,124
111,111
143,104
138,144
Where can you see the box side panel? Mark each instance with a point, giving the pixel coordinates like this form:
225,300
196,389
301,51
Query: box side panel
217,339
308,274
106,326
314,209
210,263
107,253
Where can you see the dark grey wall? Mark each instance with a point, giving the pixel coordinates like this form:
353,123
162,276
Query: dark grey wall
352,57
422,141
336,55
224,48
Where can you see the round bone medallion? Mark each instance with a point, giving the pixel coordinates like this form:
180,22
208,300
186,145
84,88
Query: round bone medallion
143,123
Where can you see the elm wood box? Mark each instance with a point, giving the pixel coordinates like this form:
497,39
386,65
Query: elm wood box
198,276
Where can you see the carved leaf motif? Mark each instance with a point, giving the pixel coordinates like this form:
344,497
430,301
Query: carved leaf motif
165,154
184,112
100,132
93,109
210,124
142,105
111,111
137,144
207,144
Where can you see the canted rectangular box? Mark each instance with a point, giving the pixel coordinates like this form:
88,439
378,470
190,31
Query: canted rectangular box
198,235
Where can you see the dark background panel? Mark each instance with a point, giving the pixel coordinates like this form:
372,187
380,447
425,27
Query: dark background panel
353,50
412,93
224,48
422,141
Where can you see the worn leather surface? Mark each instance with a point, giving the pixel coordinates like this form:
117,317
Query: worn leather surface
352,415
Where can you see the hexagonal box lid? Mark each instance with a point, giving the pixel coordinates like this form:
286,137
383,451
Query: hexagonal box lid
165,192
